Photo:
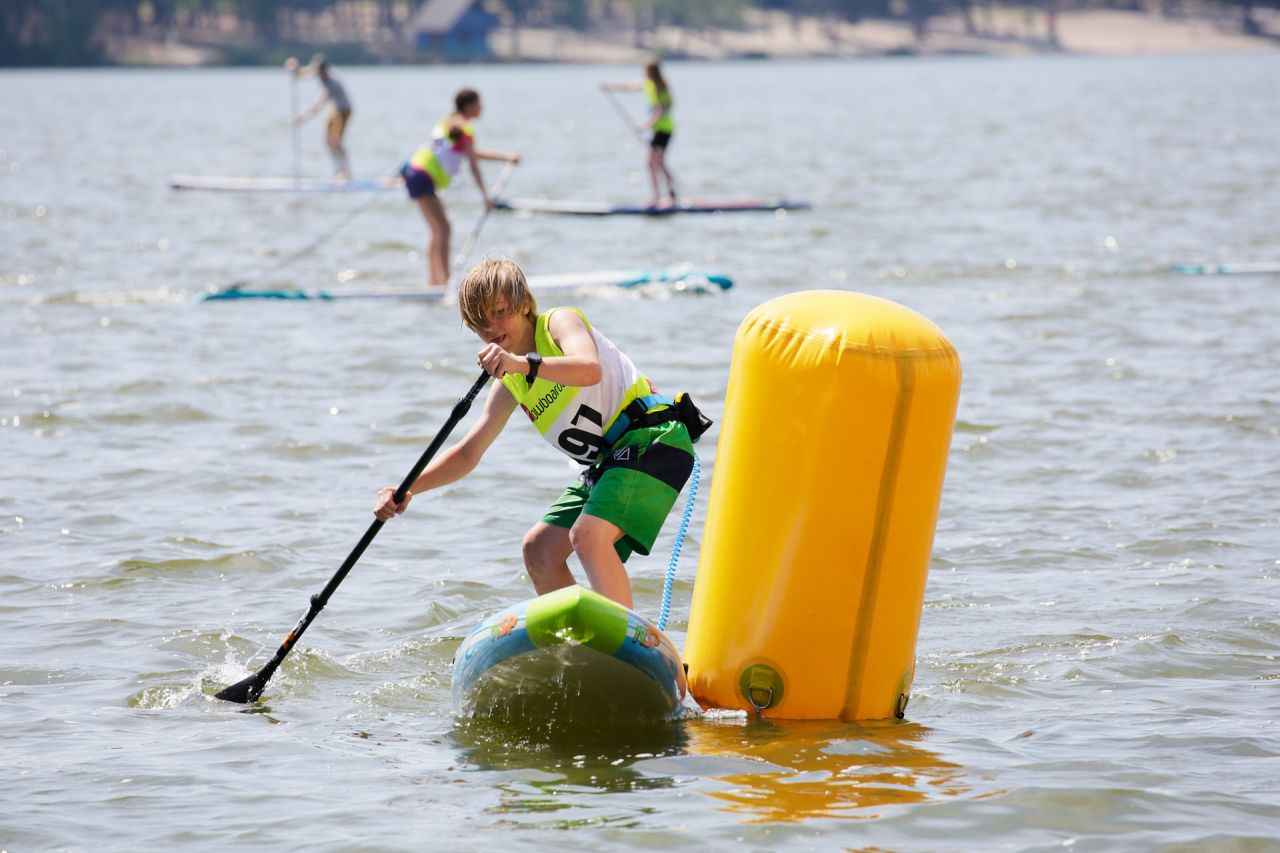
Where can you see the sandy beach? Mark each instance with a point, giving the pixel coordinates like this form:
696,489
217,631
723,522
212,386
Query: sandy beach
993,31
998,31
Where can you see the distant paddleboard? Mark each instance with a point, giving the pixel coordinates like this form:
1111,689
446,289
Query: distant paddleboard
284,185
695,205
678,279
569,654
1227,269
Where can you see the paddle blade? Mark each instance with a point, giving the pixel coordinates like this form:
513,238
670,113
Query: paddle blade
245,691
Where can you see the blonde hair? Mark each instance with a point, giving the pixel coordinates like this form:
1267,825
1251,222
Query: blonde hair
488,283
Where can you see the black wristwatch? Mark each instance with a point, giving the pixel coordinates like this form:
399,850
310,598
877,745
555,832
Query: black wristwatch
535,361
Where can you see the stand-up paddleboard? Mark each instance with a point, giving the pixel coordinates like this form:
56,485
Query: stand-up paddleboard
1227,269
678,279
284,185
601,208
569,653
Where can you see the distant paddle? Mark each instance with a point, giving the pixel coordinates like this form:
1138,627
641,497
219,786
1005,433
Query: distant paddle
625,115
293,117
470,243
251,688
460,259
305,250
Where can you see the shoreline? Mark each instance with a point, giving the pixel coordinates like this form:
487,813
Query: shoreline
1003,32
991,31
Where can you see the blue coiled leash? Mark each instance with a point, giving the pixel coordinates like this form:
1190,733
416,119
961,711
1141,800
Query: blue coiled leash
679,544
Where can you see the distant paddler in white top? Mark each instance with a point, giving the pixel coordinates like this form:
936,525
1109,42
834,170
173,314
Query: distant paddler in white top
339,108
658,94
434,166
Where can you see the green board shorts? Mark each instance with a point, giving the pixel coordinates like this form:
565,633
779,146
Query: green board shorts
633,485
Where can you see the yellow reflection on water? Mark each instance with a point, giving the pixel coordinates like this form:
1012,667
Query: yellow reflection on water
823,769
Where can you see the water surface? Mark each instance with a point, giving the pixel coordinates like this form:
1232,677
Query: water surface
1097,658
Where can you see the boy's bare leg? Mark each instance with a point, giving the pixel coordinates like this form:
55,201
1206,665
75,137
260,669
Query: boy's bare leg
546,550
593,539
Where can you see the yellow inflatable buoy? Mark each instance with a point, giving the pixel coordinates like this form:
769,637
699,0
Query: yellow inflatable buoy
820,524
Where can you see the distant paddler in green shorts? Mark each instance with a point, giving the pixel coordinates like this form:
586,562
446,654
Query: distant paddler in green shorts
588,400
434,166
658,94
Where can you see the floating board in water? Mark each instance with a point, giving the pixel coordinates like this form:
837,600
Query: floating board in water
679,279
568,654
284,185
1227,269
601,208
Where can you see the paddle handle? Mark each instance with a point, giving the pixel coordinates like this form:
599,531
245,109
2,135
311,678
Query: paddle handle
251,688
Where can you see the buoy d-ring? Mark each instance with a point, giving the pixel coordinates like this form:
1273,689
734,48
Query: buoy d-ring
761,681
759,706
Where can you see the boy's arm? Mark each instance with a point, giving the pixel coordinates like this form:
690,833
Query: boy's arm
580,364
460,459
578,367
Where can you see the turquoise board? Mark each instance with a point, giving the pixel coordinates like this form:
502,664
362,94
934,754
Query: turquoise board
676,279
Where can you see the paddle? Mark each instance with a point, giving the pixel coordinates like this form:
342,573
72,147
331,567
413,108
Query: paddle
251,688
243,283
293,121
638,135
470,243
460,259
624,114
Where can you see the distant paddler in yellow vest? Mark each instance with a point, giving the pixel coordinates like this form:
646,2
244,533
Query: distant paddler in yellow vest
434,166
658,94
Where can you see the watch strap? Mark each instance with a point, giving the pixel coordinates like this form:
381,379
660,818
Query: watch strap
535,362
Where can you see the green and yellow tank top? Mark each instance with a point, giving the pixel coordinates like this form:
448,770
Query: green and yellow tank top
575,420
666,124
443,155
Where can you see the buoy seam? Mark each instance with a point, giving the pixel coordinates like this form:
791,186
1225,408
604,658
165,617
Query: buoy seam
879,540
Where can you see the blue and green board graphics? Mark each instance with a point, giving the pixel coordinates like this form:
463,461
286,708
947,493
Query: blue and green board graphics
569,653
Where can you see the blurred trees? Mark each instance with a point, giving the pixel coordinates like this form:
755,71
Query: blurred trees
45,32
72,32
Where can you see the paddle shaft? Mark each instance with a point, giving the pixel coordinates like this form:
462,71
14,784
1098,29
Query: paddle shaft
625,115
307,249
293,125
251,688
631,126
469,244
